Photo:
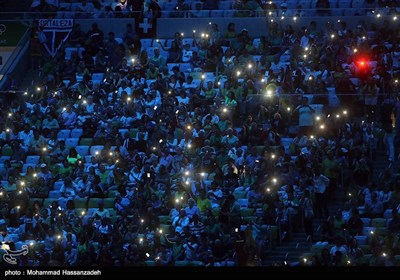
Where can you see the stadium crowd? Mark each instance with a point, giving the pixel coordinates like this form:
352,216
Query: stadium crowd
207,151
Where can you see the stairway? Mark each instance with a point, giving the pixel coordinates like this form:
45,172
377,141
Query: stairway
289,251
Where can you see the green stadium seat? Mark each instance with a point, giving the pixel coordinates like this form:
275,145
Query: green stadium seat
85,142
94,202
248,219
239,194
80,203
108,202
378,222
246,212
47,202
164,219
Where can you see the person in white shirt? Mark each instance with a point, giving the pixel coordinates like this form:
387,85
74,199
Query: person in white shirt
306,120
181,221
192,209
321,183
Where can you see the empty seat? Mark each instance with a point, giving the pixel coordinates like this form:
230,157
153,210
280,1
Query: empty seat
94,202
71,142
86,142
378,222
82,150
246,212
54,194
239,194
366,222
80,203
243,202
76,132
32,159
108,202
94,150
64,133
361,239
369,230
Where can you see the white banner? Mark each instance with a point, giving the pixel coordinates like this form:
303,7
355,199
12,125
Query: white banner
54,32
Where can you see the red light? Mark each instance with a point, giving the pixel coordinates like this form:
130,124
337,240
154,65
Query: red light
362,63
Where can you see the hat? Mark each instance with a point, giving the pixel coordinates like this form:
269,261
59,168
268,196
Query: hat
43,165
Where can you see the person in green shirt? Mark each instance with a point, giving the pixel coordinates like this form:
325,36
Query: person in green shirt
331,169
203,203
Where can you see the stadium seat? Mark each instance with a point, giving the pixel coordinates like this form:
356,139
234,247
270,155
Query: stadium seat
32,160
239,194
94,202
366,222
378,222
86,142
82,150
71,142
81,203
76,132
108,202
64,133
96,149
246,212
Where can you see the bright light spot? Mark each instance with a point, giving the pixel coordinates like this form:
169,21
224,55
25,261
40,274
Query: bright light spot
318,118
395,18
295,18
344,112
322,126
288,108
355,50
332,36
312,136
148,255
224,110
337,116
